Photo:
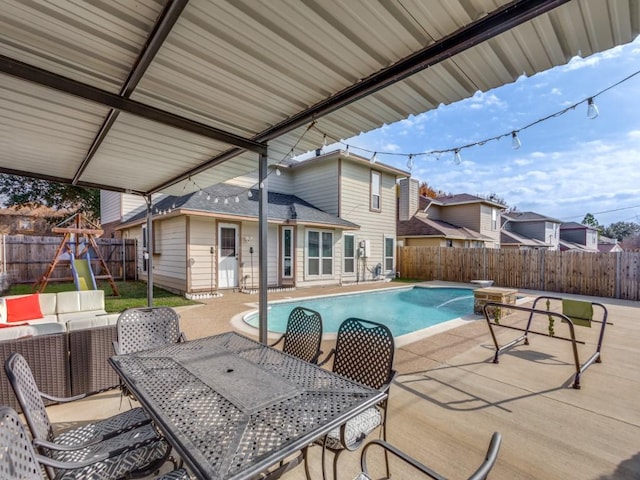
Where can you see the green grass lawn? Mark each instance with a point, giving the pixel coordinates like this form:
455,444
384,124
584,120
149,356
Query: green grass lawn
132,294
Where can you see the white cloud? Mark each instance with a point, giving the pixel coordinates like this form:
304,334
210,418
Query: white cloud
556,91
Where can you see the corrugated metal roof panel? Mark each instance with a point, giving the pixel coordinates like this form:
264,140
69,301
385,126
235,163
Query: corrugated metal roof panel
247,65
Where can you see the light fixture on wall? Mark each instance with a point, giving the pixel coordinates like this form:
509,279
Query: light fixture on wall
248,239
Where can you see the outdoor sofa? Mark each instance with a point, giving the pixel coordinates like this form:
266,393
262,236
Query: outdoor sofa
66,342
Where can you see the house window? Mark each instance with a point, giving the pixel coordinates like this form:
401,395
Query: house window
449,243
389,251
319,253
494,218
349,253
375,190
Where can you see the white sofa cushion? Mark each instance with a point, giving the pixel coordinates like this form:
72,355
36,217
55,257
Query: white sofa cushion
21,331
47,301
92,322
68,302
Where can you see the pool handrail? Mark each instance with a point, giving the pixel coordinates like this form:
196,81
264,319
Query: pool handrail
579,368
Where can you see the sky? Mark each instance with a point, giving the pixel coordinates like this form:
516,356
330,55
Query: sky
566,167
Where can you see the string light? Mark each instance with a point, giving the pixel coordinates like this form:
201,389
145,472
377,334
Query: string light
592,112
457,158
592,109
515,141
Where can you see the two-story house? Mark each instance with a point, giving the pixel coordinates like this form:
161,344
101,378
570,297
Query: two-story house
529,230
460,220
576,236
331,220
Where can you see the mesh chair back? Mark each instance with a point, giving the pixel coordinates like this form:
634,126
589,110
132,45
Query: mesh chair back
17,458
364,352
304,334
146,328
28,395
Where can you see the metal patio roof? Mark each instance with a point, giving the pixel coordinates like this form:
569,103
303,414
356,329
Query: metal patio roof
139,95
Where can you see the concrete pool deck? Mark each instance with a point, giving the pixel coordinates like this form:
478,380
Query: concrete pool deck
449,397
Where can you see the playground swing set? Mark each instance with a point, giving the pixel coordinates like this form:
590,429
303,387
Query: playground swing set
79,247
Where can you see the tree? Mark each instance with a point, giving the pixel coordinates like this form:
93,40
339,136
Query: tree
427,191
32,192
590,220
621,230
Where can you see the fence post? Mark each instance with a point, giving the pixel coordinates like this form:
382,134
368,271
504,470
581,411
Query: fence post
542,272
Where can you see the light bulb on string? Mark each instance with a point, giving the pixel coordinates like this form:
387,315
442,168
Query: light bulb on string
208,196
261,184
200,193
515,141
215,200
374,157
410,162
249,194
592,109
346,152
237,200
278,172
324,144
457,158
226,201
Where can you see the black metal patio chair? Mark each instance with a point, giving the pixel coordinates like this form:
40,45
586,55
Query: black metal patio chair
126,444
363,353
19,461
146,328
481,472
303,335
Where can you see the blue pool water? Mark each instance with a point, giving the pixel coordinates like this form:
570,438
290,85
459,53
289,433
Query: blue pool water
402,310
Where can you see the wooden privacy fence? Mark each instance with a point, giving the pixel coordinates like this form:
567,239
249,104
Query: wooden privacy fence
610,275
25,258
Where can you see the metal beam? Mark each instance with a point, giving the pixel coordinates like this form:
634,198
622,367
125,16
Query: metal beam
487,27
161,30
63,84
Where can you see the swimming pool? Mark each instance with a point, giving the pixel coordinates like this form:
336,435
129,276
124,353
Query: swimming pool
403,310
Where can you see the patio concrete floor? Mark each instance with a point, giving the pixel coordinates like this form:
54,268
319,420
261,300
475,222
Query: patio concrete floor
449,397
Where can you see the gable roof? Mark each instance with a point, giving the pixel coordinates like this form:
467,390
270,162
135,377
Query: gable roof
282,207
528,217
463,199
161,92
575,226
421,226
511,238
348,157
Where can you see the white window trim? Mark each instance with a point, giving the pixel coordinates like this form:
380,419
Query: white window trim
355,255
320,257
371,193
384,253
282,260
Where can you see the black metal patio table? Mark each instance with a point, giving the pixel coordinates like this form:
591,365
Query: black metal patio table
232,407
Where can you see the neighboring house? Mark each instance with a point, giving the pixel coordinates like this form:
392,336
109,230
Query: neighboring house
29,221
529,230
608,245
446,221
332,220
576,236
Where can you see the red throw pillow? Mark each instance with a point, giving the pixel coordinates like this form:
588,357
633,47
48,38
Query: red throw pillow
7,325
23,308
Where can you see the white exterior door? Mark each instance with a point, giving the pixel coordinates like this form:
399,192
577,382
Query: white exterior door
227,255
